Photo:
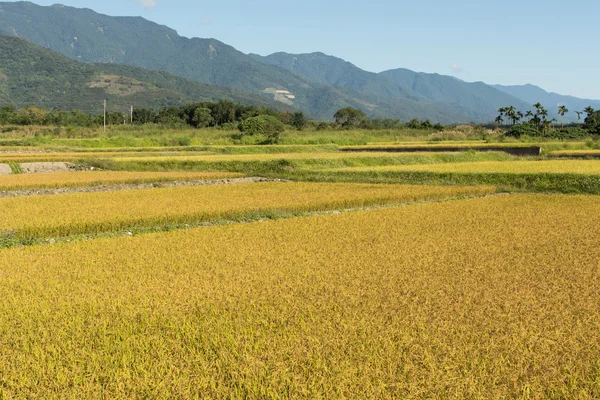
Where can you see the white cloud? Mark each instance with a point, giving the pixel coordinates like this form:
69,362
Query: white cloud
148,3
458,70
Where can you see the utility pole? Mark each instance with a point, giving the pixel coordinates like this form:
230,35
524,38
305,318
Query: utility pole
104,115
131,114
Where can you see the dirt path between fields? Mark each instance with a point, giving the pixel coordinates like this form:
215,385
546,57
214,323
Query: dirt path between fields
130,186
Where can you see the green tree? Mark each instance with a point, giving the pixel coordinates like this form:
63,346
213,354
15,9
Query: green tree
592,121
31,115
539,116
202,118
414,124
500,117
562,110
298,120
511,113
263,125
7,114
224,112
426,125
350,117
143,115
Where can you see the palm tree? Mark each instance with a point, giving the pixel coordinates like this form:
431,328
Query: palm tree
539,110
519,116
511,112
529,115
578,115
501,112
562,110
589,111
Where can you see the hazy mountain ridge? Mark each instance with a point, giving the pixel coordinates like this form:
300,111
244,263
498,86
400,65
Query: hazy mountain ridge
483,100
339,73
532,94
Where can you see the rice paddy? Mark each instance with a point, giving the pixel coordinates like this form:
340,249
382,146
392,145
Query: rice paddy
484,298
85,213
256,157
590,167
423,276
95,178
576,153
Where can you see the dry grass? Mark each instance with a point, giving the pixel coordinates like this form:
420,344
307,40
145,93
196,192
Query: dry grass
70,214
95,178
483,299
511,167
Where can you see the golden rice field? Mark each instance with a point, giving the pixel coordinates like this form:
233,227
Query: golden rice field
419,145
493,298
69,214
511,167
265,157
79,155
577,153
94,178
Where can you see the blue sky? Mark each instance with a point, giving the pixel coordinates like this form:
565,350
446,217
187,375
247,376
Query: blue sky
548,43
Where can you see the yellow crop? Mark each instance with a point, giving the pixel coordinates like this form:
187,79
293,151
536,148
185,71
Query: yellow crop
513,167
566,153
76,156
435,146
100,212
491,298
93,178
263,157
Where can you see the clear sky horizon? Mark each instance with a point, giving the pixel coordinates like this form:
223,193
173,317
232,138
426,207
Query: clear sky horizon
549,43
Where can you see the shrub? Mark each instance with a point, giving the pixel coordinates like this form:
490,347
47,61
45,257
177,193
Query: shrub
523,130
323,126
569,133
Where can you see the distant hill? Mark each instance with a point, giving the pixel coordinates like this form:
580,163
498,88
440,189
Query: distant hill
477,96
438,91
30,74
336,72
532,94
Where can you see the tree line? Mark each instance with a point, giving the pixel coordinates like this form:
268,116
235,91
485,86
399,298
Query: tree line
251,120
536,122
222,114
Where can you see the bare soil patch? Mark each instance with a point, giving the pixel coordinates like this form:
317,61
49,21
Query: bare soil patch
47,167
5,169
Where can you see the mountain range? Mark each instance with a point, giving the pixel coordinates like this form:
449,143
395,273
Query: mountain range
315,83
31,74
